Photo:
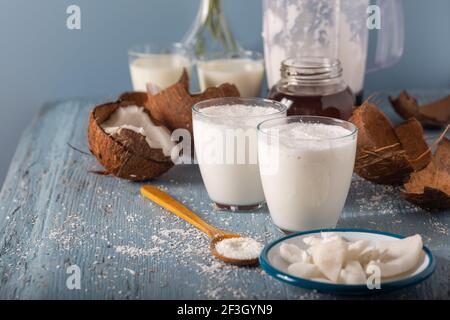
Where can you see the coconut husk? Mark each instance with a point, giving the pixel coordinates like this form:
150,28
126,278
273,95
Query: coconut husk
125,155
173,106
436,113
430,187
380,157
137,98
410,135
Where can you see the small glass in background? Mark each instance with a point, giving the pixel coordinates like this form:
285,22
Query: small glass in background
245,69
161,66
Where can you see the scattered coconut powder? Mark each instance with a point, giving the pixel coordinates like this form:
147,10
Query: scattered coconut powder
136,252
239,248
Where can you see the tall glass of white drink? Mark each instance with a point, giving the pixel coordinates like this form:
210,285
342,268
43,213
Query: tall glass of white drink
226,144
306,165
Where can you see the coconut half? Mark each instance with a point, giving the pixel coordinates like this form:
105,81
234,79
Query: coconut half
385,154
131,138
128,142
430,187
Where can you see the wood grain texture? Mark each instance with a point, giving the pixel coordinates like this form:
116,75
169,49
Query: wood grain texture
55,213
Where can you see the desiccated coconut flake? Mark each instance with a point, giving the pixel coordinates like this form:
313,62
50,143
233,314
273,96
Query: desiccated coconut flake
239,248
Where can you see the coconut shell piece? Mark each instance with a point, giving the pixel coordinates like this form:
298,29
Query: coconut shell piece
125,155
435,113
137,98
410,135
173,106
430,187
380,157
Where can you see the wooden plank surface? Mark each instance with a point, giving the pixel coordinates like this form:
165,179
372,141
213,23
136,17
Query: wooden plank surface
54,213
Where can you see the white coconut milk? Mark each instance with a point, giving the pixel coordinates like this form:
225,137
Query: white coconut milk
306,174
161,70
246,74
226,149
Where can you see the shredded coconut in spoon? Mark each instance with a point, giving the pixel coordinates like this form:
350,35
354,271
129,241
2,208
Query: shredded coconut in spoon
239,248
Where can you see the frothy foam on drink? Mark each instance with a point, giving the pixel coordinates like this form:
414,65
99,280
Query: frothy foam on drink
312,131
239,114
310,136
238,110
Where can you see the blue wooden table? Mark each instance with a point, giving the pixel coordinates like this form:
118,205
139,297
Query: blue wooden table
55,214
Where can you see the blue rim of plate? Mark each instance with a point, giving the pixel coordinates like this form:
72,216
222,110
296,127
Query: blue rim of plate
343,288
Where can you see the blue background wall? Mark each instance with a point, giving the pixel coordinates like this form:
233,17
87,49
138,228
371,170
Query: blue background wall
40,60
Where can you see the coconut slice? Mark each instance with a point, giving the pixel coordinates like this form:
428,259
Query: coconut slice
430,187
324,237
401,255
292,254
312,240
356,248
399,247
382,156
353,273
304,270
329,257
128,142
436,113
173,106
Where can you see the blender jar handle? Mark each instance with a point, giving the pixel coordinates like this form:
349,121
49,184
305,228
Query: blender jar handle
390,40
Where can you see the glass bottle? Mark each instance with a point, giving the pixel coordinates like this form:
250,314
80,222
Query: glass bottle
313,86
209,31
218,57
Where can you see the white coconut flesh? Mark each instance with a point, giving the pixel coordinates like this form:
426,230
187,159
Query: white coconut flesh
134,118
331,258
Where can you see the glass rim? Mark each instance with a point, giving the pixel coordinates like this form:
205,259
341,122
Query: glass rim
311,62
259,102
146,49
311,70
320,119
242,54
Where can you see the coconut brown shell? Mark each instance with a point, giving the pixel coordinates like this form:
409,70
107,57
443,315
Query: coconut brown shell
436,113
173,106
430,187
380,157
410,135
126,155
137,98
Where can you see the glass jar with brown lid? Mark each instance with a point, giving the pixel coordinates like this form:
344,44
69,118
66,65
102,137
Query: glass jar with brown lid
313,86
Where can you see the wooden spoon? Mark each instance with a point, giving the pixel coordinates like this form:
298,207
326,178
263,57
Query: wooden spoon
216,235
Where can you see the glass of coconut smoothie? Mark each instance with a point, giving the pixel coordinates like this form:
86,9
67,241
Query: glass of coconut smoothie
306,165
226,145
